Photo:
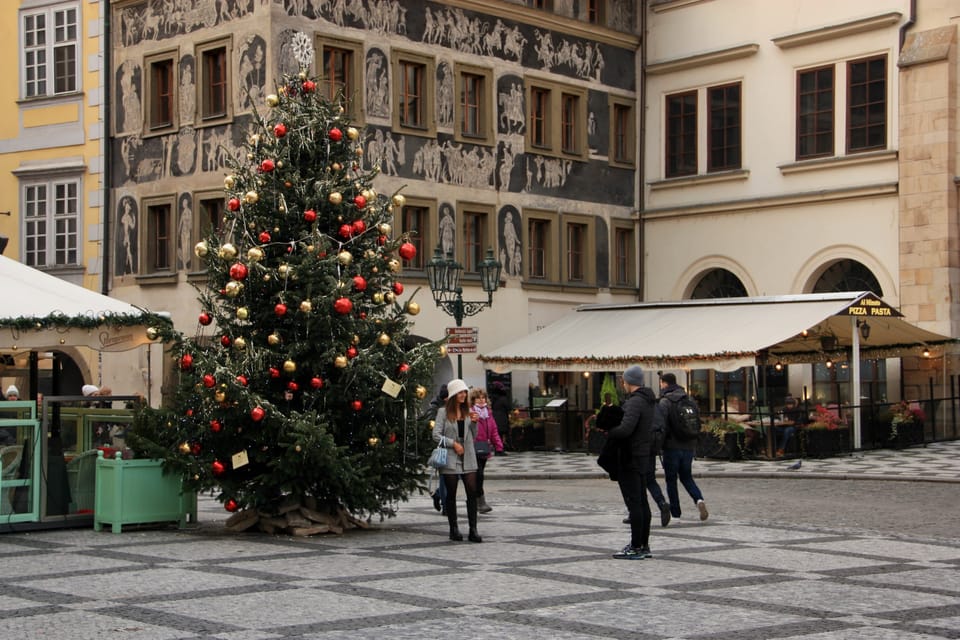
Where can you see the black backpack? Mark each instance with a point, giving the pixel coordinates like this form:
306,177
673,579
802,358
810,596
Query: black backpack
683,418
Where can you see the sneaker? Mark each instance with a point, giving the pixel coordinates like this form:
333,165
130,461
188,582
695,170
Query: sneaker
632,553
626,520
436,501
664,514
702,506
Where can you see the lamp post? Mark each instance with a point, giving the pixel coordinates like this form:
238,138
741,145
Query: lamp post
443,275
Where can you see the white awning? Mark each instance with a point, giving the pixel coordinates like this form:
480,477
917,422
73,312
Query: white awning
43,312
723,334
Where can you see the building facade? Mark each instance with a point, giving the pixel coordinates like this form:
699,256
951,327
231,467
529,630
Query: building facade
506,125
51,156
803,147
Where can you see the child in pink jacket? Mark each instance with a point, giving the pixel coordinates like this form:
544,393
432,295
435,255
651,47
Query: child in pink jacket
487,437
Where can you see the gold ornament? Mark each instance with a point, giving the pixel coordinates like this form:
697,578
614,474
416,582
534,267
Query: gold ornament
394,265
220,396
273,339
239,343
413,308
298,448
368,194
383,339
345,257
289,366
233,288
359,151
254,139
335,198
421,391
250,156
389,296
384,229
431,424
243,313
184,447
255,254
283,270
373,441
399,200
378,298
152,333
443,351
272,100
336,166
251,197
306,306
201,249
340,362
352,133
369,254
227,252
229,181
356,339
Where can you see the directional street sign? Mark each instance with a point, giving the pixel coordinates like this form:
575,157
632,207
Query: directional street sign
461,340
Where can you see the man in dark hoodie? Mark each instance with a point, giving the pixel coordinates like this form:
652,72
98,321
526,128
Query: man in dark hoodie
633,435
677,452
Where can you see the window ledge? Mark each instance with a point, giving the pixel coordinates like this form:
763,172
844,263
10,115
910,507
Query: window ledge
42,100
832,32
197,276
63,271
816,164
152,279
703,178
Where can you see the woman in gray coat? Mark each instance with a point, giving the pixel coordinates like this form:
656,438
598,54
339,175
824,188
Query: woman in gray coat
455,427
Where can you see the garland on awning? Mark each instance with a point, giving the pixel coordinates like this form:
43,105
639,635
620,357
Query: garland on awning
57,320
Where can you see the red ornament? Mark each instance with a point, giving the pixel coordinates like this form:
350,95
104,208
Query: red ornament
217,468
309,86
352,352
233,204
309,215
274,372
264,237
359,283
360,201
186,362
231,505
363,315
209,381
279,129
280,309
267,166
381,240
335,134
216,426
242,380
391,437
238,271
257,414
343,306
316,382
407,251
293,386
195,448
403,368
397,288
205,318
359,226
346,230
357,405
189,413
225,341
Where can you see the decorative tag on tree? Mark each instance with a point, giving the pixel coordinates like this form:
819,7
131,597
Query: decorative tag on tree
391,388
240,459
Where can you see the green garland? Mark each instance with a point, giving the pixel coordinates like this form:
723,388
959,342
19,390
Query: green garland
57,320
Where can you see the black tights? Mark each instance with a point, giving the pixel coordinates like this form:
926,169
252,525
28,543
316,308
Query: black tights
470,486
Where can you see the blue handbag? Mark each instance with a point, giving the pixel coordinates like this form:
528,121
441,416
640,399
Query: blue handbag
438,459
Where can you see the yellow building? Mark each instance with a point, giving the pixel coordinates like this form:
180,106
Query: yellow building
51,159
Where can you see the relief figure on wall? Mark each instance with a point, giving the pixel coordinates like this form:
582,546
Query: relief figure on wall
447,229
188,96
378,85
129,96
510,251
510,103
253,73
444,95
127,238
184,232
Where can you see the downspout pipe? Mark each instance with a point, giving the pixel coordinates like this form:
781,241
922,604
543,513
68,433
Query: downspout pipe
912,20
106,147
641,146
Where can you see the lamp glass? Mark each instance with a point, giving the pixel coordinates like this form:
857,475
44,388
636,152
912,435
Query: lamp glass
490,272
437,275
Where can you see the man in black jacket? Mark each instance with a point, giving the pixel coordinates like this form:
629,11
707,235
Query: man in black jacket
633,435
677,453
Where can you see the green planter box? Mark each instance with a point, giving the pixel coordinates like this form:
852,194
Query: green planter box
138,492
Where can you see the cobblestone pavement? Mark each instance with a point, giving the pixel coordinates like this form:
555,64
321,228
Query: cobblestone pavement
542,572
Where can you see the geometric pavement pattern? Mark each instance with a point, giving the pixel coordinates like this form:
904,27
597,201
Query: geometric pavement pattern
542,572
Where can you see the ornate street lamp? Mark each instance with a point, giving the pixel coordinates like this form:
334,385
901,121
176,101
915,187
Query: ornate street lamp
443,276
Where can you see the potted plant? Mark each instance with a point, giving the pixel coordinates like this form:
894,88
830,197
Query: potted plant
906,425
826,435
723,439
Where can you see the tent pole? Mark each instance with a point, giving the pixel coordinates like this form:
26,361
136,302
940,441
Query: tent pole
855,381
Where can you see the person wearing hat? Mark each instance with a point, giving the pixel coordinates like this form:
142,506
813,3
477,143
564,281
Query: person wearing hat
634,437
455,427
678,453
13,393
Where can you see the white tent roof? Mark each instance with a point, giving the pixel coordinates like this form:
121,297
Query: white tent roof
724,334
67,314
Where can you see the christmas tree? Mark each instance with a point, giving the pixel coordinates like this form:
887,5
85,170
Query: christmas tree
300,387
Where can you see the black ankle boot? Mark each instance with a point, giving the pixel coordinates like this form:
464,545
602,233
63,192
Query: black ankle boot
473,536
455,534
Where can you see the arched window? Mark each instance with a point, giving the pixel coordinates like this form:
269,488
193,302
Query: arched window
718,283
847,275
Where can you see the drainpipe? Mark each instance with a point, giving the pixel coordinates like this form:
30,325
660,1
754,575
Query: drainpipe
106,139
912,20
641,145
